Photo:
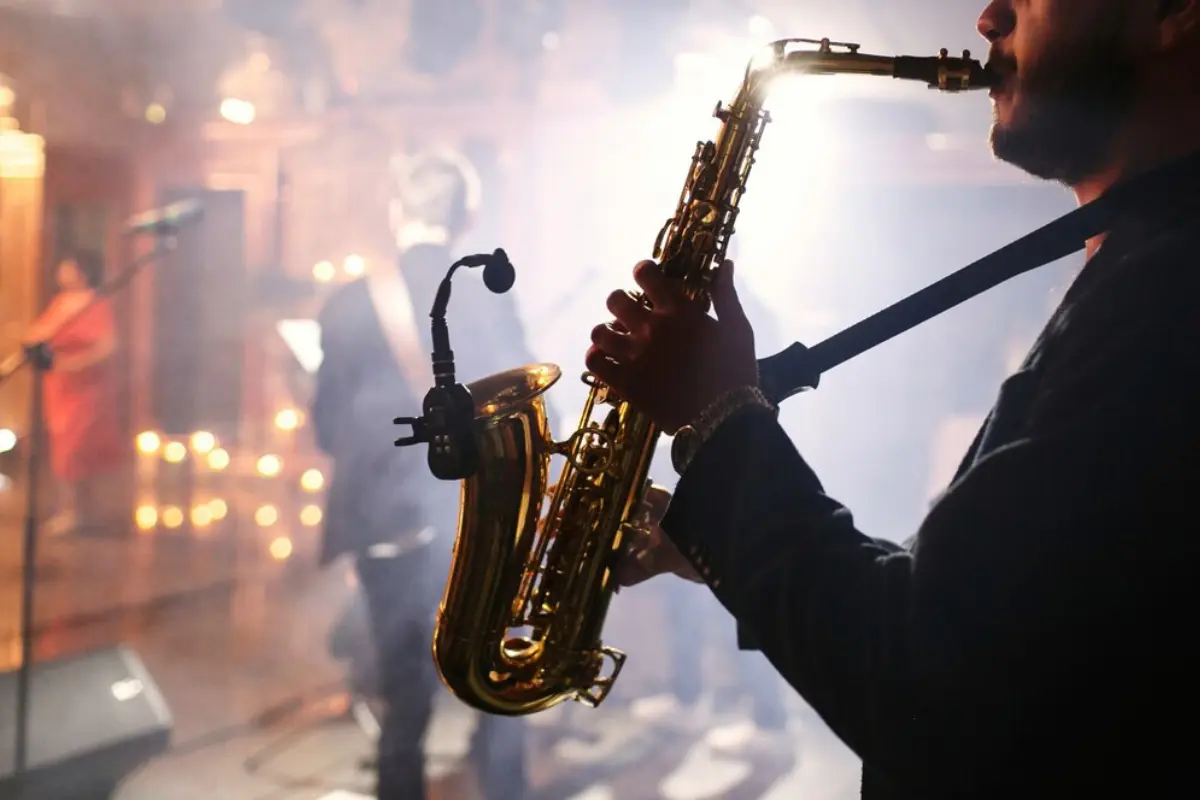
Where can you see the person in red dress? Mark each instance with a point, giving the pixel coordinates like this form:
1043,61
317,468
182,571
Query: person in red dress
79,390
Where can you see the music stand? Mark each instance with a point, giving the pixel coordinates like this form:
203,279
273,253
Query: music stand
38,357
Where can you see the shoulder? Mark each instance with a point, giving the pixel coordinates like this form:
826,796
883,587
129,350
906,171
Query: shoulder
78,309
347,303
474,304
1149,290
1129,334
72,302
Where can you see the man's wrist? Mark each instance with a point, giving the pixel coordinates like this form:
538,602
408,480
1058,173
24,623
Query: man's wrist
729,404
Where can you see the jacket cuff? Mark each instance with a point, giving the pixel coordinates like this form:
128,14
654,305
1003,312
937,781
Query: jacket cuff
719,495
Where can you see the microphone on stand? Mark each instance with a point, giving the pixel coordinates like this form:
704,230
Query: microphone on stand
448,412
165,220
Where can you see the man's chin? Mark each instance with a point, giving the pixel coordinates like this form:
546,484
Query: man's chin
1000,143
1044,154
1018,148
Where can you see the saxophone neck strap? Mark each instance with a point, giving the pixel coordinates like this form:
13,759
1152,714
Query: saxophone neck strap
799,368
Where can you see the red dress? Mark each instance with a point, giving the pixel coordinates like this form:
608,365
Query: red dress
80,407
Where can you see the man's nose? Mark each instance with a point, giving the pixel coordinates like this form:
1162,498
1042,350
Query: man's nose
997,20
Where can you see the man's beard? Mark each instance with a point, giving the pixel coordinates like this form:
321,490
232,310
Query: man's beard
1071,108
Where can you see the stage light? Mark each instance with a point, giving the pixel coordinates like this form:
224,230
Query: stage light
174,452
8,440
269,466
203,442
324,271
218,459
938,142
146,517
259,62
156,114
218,508
172,517
266,516
148,442
312,480
310,516
202,516
22,155
354,265
287,419
239,112
281,548
761,28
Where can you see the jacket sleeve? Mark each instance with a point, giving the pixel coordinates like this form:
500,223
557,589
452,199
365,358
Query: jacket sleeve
1025,569
745,636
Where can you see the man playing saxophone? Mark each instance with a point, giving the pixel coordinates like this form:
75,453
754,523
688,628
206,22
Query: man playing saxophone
1030,640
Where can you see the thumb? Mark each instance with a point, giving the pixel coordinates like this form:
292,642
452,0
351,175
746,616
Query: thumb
724,297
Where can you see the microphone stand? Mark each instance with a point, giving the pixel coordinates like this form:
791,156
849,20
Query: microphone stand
38,357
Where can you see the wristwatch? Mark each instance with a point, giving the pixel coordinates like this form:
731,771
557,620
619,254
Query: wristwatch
690,438
684,448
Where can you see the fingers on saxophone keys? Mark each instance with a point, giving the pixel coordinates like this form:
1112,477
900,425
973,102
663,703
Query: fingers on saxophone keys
630,573
602,365
663,294
630,314
637,564
616,343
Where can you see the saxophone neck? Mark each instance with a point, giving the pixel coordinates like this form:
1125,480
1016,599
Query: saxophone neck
943,71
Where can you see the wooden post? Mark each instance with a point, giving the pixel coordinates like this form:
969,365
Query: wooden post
22,171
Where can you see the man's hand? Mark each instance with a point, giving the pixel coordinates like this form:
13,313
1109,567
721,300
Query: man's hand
652,553
672,360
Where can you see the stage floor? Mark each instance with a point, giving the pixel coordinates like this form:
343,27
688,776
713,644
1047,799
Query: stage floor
633,761
237,644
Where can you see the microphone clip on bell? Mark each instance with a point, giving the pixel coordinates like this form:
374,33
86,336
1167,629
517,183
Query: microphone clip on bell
447,421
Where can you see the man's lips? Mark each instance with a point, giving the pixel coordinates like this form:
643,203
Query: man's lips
1002,88
1002,75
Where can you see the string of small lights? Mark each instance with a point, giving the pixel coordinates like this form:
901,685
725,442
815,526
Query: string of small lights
353,266
221,482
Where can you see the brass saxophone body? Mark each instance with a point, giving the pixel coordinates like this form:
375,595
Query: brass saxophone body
519,626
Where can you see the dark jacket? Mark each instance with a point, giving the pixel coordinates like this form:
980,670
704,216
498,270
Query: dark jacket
1035,639
380,492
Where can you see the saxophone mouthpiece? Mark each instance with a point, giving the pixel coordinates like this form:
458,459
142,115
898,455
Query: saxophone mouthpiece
945,72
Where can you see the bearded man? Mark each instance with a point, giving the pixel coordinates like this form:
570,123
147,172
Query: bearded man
1029,642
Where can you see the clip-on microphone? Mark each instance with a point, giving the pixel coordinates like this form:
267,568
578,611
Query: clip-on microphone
448,413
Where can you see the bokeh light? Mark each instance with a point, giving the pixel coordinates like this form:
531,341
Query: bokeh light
148,442
312,480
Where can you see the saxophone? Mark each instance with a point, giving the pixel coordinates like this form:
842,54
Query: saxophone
519,625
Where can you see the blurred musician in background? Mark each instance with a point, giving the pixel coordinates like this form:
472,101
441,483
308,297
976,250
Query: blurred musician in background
80,403
384,508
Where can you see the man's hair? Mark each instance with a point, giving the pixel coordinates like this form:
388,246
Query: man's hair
438,188
90,264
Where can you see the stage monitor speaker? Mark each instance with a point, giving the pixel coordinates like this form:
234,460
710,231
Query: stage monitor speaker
201,300
94,718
